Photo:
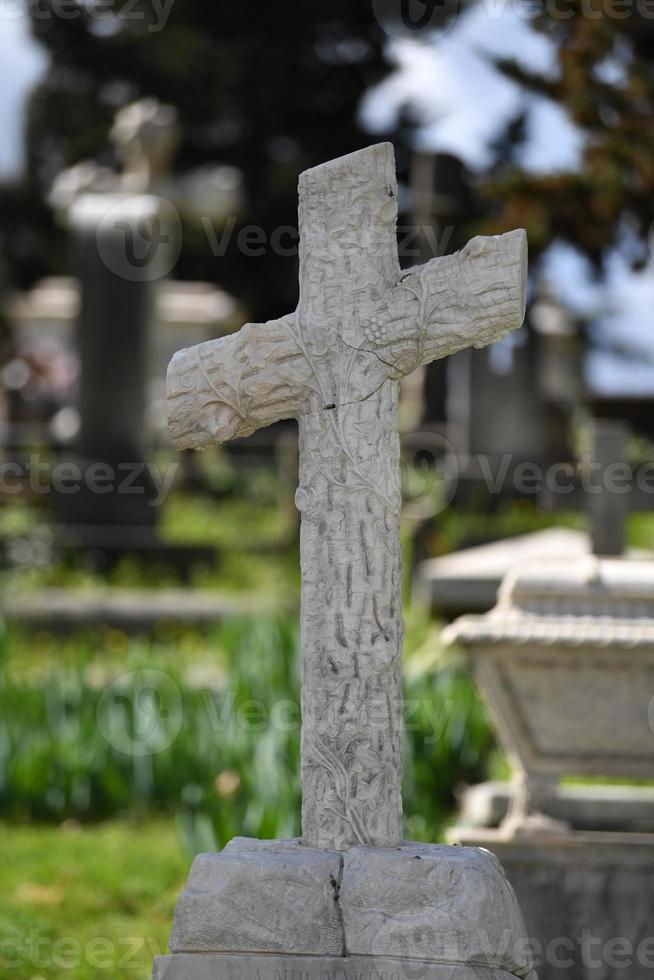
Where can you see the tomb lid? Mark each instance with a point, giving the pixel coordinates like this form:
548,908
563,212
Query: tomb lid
588,577
588,601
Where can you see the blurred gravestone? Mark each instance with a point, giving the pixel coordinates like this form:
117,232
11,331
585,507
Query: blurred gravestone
124,243
126,234
525,426
123,247
607,507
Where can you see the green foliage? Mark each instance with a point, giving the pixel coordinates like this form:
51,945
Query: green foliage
614,112
233,524
466,525
447,740
206,728
245,522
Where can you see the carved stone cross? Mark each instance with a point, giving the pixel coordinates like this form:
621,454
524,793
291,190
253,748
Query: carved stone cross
334,365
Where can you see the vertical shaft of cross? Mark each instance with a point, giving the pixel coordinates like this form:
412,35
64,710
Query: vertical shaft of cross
351,625
349,497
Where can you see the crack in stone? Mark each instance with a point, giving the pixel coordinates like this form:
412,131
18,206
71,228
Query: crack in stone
336,888
366,350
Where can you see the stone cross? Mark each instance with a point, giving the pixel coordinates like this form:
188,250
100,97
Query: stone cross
334,365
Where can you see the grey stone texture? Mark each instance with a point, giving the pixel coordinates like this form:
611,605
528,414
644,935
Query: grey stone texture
261,897
419,902
468,581
335,364
626,809
587,900
188,966
565,663
431,902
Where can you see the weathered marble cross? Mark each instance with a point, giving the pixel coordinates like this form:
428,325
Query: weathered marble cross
334,365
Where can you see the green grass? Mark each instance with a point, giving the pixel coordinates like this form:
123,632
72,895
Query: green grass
87,902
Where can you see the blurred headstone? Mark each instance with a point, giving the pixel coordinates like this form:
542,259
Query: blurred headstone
525,425
126,233
122,248
607,505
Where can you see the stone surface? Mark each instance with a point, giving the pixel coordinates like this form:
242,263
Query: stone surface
417,902
429,902
334,364
261,897
565,665
247,967
587,900
627,809
468,580
128,609
116,314
608,510
524,426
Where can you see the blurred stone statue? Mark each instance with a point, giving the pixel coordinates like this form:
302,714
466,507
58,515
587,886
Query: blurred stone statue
146,135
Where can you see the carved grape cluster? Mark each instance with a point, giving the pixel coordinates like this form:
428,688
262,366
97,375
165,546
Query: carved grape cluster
374,330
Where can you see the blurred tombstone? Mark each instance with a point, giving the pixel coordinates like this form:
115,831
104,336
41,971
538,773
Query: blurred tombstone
564,664
527,425
531,381
119,259
126,233
45,319
437,188
607,509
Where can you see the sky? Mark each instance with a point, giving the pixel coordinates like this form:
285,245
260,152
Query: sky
21,63
463,102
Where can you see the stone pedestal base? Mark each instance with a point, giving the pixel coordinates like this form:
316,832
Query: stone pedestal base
587,899
414,911
250,966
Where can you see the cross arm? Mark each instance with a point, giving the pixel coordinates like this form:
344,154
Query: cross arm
472,298
228,388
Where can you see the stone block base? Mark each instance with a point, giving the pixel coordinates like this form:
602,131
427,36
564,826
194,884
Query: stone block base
587,900
250,966
449,911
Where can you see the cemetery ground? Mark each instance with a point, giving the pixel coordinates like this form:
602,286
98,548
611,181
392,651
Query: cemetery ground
101,811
